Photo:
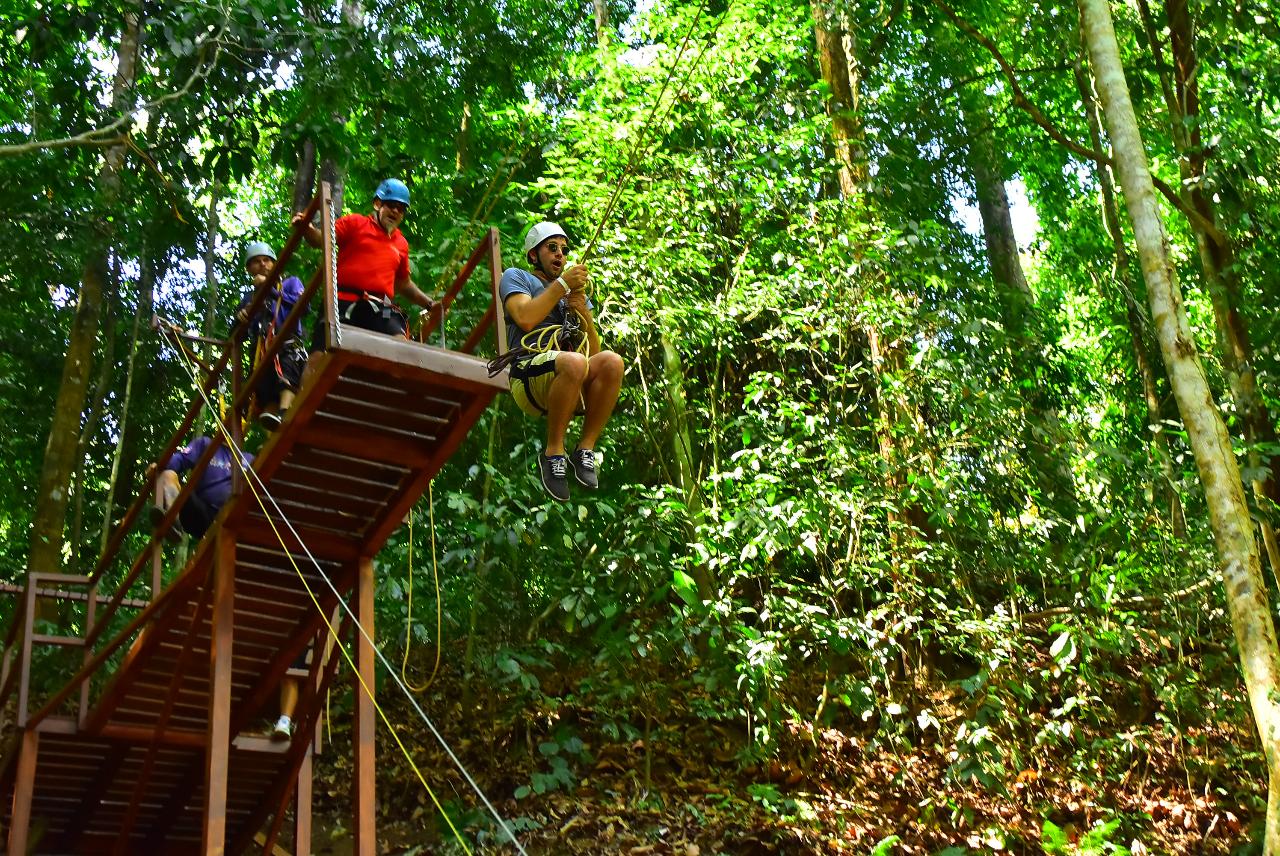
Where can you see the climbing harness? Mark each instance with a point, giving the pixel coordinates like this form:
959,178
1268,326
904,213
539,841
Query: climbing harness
259,490
263,340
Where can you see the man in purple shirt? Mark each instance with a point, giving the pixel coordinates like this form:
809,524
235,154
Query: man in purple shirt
211,493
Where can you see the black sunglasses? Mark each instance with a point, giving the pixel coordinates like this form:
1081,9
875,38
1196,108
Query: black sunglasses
553,247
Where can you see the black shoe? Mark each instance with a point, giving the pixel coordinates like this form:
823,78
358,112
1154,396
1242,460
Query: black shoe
269,420
554,470
584,467
175,533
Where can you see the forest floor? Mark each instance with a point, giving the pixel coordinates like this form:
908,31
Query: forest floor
687,790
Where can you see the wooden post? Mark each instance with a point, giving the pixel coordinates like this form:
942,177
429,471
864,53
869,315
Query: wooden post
495,279
302,804
302,808
28,629
237,437
157,556
23,786
362,734
328,261
90,613
218,745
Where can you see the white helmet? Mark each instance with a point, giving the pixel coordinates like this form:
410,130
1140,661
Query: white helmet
541,232
258,248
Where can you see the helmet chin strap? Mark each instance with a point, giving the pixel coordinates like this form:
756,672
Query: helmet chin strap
379,211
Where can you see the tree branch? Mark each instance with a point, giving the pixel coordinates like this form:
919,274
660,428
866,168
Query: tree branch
1021,100
117,132
1137,603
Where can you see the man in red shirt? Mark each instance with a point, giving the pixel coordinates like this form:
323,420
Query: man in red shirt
373,265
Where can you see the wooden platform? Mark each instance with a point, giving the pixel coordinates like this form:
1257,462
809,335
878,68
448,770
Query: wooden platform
137,770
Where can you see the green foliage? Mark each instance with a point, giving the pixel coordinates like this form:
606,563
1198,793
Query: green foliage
903,512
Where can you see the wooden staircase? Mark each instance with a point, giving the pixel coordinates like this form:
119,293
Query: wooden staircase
154,745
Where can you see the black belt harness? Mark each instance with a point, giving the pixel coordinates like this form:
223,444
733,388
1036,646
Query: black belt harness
354,296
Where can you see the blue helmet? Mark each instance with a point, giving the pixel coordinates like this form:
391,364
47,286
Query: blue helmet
393,190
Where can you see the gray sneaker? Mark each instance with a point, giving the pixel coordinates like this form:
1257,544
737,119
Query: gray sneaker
283,729
584,467
554,470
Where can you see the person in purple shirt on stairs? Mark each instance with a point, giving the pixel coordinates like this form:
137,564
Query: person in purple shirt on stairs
211,493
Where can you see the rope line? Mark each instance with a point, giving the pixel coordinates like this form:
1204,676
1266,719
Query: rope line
408,622
328,625
634,159
259,491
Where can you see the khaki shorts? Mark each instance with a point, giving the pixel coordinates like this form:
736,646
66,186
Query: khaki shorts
531,383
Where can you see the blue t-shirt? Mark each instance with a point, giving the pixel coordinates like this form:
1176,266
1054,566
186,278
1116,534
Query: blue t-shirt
517,281
215,481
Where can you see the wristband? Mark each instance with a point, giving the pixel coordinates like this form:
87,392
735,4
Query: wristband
563,285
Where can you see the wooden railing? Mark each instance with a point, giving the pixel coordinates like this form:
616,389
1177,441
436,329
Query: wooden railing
22,627
489,245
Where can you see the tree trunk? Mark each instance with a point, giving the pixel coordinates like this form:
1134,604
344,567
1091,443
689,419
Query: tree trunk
304,181
838,62
334,174
1045,439
997,224
1133,315
93,413
601,9
64,432
1206,432
1217,255
146,300
1217,260
840,68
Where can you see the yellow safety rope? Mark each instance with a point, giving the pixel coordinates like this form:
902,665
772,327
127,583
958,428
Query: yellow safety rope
333,633
408,622
542,339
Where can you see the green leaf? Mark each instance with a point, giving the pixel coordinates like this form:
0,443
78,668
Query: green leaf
685,586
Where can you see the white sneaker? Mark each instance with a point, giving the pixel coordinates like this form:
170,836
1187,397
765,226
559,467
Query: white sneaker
283,728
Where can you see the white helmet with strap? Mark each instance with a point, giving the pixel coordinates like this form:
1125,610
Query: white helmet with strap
541,232
258,248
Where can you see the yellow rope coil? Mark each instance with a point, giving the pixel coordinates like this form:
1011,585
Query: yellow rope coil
408,622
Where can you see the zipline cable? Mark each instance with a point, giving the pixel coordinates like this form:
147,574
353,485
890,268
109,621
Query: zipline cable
635,157
252,479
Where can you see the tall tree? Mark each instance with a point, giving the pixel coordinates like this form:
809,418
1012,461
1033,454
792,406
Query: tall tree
1138,337
64,431
1215,460
1217,252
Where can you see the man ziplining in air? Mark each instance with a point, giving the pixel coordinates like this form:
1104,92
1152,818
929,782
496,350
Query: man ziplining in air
558,383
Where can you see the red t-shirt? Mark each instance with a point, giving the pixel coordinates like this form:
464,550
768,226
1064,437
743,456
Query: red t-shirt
368,258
